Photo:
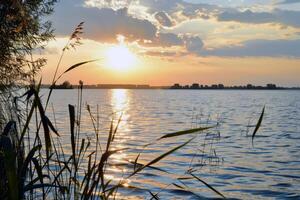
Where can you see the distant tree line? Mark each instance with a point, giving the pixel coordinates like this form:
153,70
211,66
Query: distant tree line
64,85
221,86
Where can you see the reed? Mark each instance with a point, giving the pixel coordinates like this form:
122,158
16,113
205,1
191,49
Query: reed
35,165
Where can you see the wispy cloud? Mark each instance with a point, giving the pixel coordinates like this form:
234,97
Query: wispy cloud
258,48
289,2
290,18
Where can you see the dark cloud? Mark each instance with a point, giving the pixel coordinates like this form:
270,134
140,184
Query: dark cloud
168,39
104,24
246,17
289,1
286,17
258,48
194,44
163,19
189,10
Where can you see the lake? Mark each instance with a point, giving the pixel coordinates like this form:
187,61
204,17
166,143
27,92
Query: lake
224,157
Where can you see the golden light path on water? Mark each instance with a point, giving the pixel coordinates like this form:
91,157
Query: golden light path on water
120,102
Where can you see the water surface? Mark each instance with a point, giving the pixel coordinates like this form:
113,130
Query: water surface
223,157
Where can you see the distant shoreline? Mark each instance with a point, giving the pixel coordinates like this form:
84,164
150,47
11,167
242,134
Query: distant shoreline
176,86
165,88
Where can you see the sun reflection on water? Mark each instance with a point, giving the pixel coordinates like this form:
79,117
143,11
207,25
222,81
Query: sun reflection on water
120,101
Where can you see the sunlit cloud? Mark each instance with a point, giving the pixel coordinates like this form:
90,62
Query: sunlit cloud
171,23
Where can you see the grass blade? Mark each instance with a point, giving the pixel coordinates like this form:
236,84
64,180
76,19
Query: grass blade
258,123
179,133
209,186
160,157
72,126
73,67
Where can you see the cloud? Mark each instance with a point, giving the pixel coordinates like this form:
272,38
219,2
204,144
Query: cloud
289,2
163,19
103,24
258,48
108,23
180,10
286,17
162,53
168,39
194,44
246,17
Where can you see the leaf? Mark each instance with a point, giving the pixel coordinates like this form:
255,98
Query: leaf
27,161
136,161
38,169
51,125
9,126
136,165
45,125
209,186
73,67
110,135
72,125
154,196
160,157
179,133
28,118
178,186
79,64
29,93
258,123
36,180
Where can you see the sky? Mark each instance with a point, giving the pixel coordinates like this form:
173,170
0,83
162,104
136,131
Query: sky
162,42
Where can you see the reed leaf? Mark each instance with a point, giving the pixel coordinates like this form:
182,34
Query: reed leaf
160,157
51,125
38,169
72,126
73,67
258,123
44,120
207,185
9,126
28,118
185,132
154,196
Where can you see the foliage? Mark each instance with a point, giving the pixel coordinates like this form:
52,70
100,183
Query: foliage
22,30
34,164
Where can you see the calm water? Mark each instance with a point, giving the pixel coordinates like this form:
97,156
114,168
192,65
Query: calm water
269,169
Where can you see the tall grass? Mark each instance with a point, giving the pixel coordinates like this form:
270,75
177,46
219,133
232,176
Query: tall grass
35,165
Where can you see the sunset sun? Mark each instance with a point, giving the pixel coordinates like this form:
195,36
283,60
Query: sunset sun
120,58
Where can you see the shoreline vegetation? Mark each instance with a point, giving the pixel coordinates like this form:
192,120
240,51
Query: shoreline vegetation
34,161
37,163
176,86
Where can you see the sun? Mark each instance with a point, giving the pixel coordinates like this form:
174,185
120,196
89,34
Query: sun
119,57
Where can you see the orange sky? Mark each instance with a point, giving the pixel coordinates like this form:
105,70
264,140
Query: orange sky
180,41
185,69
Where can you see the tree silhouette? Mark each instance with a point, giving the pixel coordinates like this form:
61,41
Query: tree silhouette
23,29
